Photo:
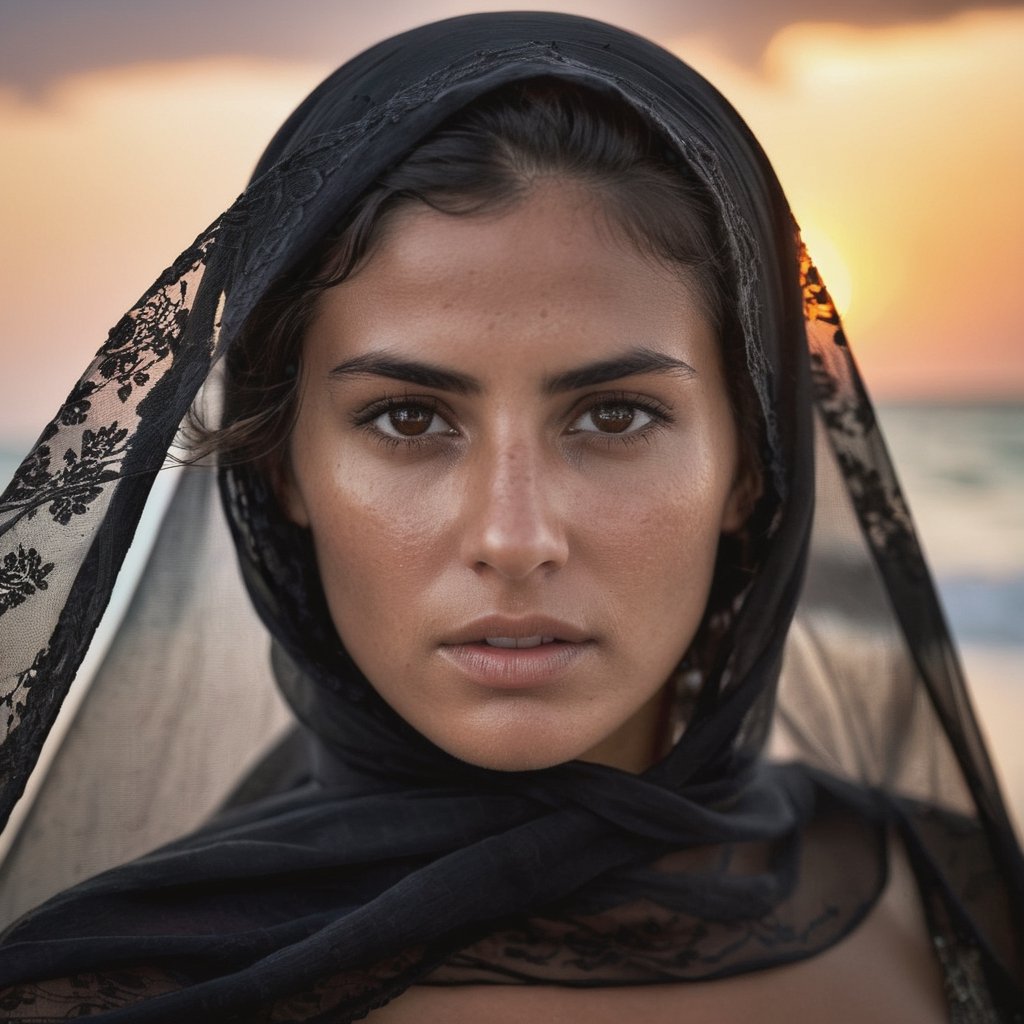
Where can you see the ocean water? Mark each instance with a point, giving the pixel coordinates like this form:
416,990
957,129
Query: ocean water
962,470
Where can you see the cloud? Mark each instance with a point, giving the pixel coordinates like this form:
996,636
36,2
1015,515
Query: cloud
43,41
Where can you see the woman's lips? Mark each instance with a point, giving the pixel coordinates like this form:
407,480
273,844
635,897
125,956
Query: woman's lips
518,641
525,665
525,630
507,653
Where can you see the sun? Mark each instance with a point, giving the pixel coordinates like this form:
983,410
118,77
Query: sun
831,266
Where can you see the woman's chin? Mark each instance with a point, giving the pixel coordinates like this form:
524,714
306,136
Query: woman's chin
503,756
535,747
528,732
513,746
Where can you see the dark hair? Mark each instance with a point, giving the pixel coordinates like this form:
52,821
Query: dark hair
485,158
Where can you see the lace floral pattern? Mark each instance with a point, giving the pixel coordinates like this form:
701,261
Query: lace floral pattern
853,429
22,573
72,475
633,945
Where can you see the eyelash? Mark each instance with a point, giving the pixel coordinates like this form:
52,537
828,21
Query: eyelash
660,414
365,420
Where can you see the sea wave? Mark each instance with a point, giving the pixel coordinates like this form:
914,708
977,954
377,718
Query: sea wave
984,609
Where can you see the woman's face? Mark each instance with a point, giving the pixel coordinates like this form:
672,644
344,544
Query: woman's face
516,453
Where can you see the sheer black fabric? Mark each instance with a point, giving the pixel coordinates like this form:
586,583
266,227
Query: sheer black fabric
838,714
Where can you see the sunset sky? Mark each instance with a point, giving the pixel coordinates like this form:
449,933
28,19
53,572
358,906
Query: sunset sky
126,126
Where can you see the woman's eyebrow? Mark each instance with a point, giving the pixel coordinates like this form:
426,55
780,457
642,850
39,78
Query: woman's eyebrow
637,360
428,375
411,371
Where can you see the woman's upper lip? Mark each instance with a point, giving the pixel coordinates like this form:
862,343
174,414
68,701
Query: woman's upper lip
517,628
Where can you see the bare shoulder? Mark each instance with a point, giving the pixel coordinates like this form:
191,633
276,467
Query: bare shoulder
885,971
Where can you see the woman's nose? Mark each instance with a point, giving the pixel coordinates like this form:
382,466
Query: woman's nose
512,525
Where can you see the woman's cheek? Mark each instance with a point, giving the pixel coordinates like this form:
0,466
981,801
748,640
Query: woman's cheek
379,531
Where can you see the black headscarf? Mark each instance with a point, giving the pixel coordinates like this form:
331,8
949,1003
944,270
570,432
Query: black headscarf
396,863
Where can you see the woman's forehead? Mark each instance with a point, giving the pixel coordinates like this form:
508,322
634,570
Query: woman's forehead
543,279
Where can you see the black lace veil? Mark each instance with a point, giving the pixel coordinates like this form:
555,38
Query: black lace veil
760,839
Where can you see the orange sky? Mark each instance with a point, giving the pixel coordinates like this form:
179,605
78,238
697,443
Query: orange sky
901,150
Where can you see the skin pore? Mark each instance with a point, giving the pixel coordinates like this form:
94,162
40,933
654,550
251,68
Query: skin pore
515,451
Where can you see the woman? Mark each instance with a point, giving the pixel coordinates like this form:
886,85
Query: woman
518,454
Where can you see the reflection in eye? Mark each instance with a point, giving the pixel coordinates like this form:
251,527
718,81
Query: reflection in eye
410,421
612,418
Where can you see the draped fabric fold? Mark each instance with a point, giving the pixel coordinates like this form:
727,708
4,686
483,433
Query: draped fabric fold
839,715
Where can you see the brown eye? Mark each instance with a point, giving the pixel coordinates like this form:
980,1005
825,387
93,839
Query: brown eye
410,420
612,418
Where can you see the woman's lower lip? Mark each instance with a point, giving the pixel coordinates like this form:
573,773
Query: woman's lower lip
513,668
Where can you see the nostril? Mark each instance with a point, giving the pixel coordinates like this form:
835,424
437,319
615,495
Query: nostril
516,546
